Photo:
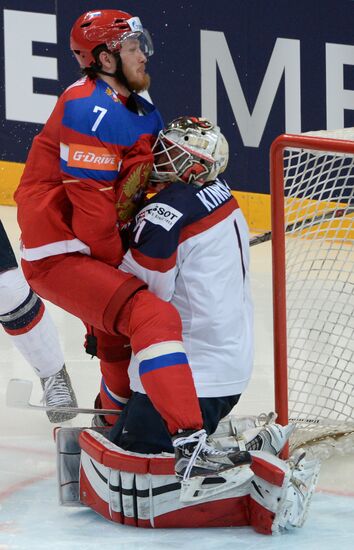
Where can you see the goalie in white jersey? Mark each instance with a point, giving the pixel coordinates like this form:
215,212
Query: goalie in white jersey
190,243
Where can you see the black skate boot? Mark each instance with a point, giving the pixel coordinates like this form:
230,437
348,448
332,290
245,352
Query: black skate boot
206,470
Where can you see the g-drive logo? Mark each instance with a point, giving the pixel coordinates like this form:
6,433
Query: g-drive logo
159,214
95,158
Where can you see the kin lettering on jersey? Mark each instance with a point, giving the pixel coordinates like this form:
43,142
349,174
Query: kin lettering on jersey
214,195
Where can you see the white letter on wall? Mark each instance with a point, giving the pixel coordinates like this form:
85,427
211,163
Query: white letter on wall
285,59
21,28
338,99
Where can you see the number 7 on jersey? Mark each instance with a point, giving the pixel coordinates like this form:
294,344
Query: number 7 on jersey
102,112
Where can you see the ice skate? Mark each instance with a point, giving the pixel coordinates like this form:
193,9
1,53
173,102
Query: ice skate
205,470
99,420
270,438
233,425
58,392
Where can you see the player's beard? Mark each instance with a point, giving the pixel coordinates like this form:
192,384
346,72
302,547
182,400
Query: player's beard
141,84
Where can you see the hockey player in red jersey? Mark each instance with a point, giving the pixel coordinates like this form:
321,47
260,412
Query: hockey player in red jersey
83,177
26,320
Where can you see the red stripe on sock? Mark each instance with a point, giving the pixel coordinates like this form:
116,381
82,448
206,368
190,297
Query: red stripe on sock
30,325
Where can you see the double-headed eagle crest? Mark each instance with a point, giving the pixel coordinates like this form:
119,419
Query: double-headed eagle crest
132,191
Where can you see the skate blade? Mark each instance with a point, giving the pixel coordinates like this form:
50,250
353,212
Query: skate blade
199,488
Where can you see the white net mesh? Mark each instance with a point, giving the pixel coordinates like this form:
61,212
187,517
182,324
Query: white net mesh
319,230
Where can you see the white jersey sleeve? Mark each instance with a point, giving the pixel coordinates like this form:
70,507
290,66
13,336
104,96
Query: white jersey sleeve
154,248
160,283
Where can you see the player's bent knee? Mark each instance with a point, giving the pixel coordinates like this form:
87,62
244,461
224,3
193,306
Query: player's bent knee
153,320
14,290
21,308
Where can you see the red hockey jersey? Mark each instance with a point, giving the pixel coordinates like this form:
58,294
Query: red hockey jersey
84,171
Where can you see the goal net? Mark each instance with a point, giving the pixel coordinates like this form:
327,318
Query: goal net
312,197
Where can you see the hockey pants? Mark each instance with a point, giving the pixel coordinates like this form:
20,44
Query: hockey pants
118,303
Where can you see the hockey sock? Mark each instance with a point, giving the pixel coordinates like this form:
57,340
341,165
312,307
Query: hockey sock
29,325
115,387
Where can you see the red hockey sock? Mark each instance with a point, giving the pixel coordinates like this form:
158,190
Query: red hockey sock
114,390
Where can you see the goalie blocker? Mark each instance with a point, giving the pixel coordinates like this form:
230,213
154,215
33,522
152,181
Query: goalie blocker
142,490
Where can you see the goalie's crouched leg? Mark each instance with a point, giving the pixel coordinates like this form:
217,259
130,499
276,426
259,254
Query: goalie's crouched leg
142,490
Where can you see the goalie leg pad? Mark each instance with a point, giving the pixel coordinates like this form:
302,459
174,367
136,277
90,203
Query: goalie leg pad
303,481
68,463
142,490
281,492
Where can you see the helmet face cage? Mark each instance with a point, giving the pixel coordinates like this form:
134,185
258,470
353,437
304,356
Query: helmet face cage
190,149
173,161
110,28
114,40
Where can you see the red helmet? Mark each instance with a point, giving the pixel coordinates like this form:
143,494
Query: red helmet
109,27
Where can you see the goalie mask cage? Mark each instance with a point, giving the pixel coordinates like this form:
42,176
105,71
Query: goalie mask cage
312,186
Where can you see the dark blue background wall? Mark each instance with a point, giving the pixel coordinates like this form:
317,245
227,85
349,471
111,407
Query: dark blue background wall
250,27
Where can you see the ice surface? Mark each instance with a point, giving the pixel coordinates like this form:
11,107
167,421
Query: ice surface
30,517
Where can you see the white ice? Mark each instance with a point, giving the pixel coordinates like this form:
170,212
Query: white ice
30,517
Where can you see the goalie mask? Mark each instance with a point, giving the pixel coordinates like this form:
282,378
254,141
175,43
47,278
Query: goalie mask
190,149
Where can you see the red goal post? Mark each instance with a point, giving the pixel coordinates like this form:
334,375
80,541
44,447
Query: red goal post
312,207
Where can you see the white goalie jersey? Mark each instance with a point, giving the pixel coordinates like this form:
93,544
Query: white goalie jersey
191,246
